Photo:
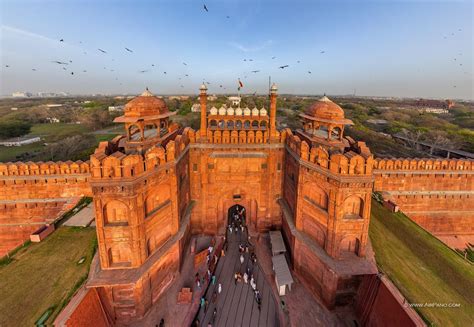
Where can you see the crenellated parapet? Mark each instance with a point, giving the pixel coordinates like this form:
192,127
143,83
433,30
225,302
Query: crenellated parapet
356,161
119,165
44,168
412,164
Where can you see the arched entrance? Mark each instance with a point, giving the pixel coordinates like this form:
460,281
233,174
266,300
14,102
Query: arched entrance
236,216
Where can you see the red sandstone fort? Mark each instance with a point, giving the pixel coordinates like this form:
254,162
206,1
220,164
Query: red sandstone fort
159,184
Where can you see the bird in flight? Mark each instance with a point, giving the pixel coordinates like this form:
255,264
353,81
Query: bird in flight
228,16
298,61
64,68
220,85
309,72
185,64
33,69
205,8
59,62
84,71
128,50
250,59
62,40
164,73
273,57
102,51
7,66
143,71
186,75
255,71
284,66
323,51
72,73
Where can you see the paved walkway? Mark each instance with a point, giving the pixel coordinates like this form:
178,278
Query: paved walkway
236,305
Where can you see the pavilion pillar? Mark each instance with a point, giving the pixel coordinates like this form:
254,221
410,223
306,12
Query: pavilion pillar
273,100
203,102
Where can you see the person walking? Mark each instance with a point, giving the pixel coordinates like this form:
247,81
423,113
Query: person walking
203,302
242,259
214,279
214,315
246,278
162,322
219,288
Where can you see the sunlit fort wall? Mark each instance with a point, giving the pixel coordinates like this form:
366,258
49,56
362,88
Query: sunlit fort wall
159,184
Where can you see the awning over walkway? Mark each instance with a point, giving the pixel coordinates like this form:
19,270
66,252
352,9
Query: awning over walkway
278,246
282,272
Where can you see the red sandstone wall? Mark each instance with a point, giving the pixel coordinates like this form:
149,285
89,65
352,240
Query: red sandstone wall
379,303
33,194
437,194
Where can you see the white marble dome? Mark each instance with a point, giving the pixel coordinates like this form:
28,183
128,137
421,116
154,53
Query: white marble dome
263,111
213,111
230,111
238,111
222,111
255,112
247,111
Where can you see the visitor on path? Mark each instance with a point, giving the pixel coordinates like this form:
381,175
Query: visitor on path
197,280
206,305
235,278
242,259
219,289
203,302
230,229
246,278
223,252
214,279
162,322
239,277
214,315
214,297
253,284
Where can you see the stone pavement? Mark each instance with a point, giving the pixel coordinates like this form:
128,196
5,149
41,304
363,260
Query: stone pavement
83,218
236,305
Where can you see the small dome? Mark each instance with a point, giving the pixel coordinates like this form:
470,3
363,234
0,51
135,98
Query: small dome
230,111
325,108
247,112
213,111
274,88
203,87
255,112
145,104
263,111
238,111
222,111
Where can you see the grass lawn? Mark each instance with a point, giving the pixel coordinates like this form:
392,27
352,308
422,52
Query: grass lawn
423,268
9,153
44,275
58,131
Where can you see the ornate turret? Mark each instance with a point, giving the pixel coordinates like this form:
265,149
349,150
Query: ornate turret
323,123
146,120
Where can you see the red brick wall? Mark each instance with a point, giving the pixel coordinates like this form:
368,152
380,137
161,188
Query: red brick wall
379,303
437,194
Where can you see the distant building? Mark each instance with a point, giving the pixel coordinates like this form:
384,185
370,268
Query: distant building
52,120
178,97
20,141
116,108
235,100
54,105
438,111
14,109
211,97
21,94
377,121
196,107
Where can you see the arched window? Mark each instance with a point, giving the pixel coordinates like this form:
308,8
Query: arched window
247,124
255,124
316,195
213,123
133,132
119,255
230,124
353,207
336,133
349,244
150,131
221,124
115,212
263,125
238,124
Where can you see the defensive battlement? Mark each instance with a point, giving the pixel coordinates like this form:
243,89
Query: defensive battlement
105,164
357,161
237,112
43,168
424,164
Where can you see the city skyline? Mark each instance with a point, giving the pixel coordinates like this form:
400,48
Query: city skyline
400,49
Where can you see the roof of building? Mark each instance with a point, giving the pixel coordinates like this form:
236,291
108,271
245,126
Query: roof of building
282,272
326,111
276,240
145,104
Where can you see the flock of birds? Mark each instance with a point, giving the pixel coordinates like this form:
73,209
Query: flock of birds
64,64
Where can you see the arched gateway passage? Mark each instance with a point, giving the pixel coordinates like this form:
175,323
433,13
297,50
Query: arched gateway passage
236,216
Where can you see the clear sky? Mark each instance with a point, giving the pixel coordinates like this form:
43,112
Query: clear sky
380,48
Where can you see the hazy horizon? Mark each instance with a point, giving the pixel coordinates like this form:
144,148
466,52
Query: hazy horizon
370,48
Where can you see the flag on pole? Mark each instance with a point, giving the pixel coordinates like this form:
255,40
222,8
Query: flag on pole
241,85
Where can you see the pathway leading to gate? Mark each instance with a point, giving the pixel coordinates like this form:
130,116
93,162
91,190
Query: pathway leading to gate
236,305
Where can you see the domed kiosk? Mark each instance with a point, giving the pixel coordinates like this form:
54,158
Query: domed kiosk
146,120
323,123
